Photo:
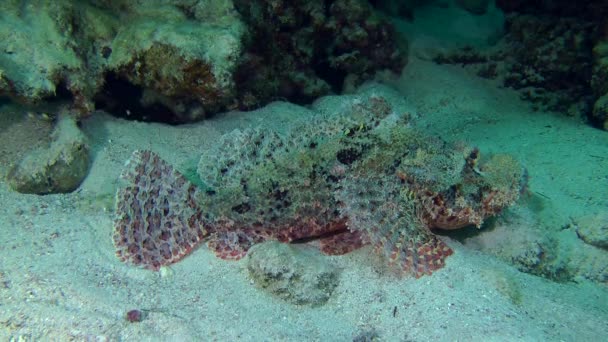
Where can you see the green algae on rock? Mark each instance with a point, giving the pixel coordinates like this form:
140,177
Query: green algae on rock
59,168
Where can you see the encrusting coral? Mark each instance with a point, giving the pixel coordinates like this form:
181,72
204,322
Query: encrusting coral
341,181
180,61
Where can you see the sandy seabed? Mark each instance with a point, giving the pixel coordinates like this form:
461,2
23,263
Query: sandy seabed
60,280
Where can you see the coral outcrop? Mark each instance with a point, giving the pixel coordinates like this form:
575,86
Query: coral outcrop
37,54
547,60
565,54
123,55
182,60
550,61
180,57
553,52
317,46
358,177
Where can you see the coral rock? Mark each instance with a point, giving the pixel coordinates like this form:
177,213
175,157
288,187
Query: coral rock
297,275
59,168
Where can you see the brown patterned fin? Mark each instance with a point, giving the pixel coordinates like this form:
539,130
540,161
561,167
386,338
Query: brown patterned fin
158,220
420,257
343,243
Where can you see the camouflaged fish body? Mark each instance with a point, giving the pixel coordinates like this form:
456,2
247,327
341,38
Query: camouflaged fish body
342,181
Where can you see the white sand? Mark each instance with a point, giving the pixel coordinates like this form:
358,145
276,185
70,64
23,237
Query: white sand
59,279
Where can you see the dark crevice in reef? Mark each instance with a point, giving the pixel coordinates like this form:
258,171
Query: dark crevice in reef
122,99
61,94
334,77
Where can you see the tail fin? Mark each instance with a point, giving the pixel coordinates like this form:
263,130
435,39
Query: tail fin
158,220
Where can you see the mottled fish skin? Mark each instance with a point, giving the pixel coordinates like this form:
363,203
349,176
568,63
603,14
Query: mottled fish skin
340,183
158,220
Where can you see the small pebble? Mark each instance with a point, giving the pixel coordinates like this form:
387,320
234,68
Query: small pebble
135,316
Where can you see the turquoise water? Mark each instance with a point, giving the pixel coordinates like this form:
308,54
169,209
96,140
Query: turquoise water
328,171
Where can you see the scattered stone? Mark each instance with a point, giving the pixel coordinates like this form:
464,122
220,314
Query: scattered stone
297,275
135,316
59,168
593,229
